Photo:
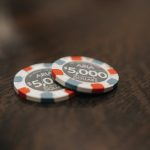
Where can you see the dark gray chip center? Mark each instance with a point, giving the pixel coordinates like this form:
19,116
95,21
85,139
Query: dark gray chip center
41,80
83,71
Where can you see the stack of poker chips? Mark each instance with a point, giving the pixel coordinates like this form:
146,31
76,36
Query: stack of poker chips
59,81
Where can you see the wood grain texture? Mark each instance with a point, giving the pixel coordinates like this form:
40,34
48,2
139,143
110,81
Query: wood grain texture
116,32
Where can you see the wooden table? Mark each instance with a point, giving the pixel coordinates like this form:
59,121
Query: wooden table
115,32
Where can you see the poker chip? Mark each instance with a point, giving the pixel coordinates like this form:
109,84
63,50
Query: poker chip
85,74
35,83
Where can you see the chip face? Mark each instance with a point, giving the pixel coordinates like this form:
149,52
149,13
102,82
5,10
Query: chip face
85,74
35,83
41,80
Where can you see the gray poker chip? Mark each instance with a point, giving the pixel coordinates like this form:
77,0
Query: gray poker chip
35,83
84,74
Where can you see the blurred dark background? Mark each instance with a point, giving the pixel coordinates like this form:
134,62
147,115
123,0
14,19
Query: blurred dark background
114,31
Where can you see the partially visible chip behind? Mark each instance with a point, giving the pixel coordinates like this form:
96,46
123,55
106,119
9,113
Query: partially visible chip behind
84,74
35,83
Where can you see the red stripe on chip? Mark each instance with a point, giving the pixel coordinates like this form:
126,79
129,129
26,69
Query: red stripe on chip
112,71
76,58
23,91
97,87
27,68
71,93
56,72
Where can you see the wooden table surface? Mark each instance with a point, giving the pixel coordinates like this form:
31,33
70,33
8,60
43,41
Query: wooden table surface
116,32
